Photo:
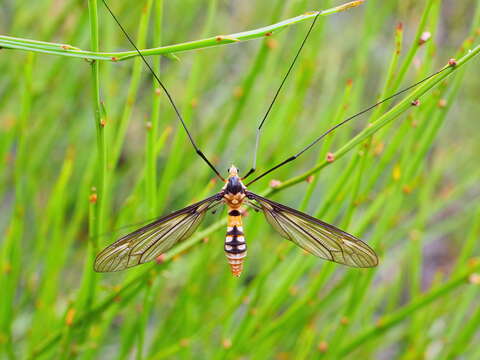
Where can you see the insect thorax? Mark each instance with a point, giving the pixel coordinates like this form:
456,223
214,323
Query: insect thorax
234,185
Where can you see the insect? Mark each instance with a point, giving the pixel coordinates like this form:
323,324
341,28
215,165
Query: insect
313,235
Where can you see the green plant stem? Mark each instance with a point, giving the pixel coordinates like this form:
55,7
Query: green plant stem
98,190
9,42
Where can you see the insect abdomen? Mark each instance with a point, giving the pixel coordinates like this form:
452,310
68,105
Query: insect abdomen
235,246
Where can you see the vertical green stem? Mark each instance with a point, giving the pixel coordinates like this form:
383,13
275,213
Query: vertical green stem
99,121
152,125
87,292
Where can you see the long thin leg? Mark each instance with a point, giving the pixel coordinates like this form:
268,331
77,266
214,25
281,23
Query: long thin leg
197,150
257,140
291,158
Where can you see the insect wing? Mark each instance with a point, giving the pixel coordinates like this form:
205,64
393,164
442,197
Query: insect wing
148,242
315,236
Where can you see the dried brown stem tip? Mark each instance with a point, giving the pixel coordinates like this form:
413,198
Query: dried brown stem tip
351,5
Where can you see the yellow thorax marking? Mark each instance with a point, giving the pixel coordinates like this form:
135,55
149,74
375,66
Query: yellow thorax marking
234,200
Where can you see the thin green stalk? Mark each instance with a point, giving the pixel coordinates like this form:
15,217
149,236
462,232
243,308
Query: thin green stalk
152,125
98,192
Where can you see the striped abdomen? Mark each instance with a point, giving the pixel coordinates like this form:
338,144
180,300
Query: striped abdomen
235,246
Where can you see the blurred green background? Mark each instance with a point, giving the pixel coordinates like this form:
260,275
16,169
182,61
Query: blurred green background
410,191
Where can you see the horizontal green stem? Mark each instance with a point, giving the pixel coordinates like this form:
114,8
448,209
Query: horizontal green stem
9,42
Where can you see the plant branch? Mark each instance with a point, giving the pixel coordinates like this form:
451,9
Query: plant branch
8,42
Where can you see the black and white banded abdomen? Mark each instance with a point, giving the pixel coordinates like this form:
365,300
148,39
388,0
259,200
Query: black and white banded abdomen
235,246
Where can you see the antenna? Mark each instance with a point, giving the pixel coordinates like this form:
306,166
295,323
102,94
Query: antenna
170,99
252,170
344,122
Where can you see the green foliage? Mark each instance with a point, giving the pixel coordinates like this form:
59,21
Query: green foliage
87,148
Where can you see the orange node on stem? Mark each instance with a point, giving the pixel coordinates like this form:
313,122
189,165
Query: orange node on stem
70,317
93,198
272,43
322,346
424,37
474,279
330,157
274,183
160,259
227,343
238,92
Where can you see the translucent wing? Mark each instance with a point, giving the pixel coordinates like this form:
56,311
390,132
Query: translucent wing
148,242
315,236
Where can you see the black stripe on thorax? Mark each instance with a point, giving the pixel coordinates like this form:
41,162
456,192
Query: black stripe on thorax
234,213
234,232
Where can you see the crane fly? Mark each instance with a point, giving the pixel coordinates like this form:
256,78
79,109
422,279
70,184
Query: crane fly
313,235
